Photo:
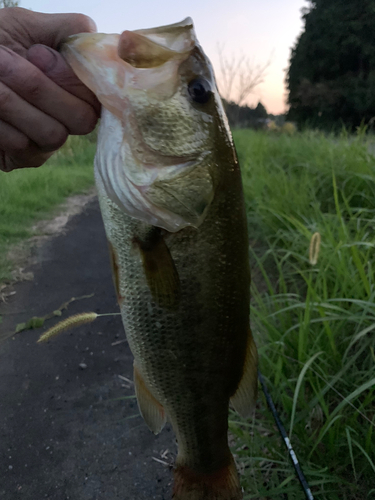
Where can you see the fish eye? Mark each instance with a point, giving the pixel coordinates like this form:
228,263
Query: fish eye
200,90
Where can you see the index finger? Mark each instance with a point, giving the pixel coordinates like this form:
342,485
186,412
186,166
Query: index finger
35,27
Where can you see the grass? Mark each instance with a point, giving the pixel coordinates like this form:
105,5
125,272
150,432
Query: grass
314,324
29,195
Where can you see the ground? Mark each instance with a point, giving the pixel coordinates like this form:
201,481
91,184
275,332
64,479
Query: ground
64,434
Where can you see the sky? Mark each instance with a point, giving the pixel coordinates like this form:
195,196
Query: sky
261,30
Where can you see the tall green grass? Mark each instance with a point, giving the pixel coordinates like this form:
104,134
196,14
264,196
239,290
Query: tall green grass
314,324
28,195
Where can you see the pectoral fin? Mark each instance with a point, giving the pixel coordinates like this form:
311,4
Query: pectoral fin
245,396
151,410
115,271
160,270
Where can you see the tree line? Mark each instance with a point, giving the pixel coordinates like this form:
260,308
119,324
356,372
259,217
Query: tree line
331,76
245,116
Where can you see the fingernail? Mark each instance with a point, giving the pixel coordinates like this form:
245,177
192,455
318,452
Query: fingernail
42,57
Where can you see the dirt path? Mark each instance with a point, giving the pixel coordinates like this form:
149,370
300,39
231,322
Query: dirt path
63,432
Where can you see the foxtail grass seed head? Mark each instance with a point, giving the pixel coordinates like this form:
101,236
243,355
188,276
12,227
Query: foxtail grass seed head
66,324
314,248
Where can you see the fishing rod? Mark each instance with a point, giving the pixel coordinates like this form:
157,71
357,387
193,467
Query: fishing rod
300,475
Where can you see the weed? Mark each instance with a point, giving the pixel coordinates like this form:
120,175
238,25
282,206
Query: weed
314,321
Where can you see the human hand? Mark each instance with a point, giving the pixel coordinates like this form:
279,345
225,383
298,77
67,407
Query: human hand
41,100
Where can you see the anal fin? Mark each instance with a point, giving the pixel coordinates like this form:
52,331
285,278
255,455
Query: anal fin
151,410
245,396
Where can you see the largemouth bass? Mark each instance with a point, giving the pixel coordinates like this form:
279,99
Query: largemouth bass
170,193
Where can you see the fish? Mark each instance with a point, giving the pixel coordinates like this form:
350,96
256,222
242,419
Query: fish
171,197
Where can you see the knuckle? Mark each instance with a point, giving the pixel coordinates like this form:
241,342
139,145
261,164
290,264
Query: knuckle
31,82
54,139
12,141
34,87
6,66
20,144
87,120
5,97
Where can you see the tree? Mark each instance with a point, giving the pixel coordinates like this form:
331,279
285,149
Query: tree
244,116
260,111
8,3
238,76
331,75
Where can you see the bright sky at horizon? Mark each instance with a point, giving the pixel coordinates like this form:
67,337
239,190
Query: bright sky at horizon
260,30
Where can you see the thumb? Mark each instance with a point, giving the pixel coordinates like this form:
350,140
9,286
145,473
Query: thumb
50,29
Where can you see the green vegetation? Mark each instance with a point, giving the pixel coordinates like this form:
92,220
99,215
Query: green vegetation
314,324
332,66
29,195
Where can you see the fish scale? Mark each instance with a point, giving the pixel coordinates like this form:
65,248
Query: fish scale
173,135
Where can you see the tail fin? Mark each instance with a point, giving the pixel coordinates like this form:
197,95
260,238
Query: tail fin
220,485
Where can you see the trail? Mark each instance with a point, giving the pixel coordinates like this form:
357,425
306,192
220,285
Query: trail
64,434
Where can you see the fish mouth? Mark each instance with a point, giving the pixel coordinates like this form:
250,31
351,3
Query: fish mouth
150,48
111,64
146,48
